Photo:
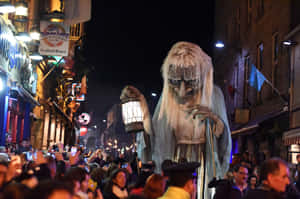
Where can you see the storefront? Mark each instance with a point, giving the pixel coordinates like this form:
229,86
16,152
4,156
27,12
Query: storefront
18,80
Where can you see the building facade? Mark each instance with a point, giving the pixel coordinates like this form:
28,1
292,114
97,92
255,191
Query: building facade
253,32
42,79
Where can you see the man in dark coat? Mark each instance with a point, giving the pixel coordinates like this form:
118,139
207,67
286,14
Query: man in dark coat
275,178
235,189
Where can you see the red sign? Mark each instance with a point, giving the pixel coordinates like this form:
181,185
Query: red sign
83,131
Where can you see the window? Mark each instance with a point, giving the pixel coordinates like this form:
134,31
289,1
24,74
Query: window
259,58
260,8
275,48
238,24
249,11
246,76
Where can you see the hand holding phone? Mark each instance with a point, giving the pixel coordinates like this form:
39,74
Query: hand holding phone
73,150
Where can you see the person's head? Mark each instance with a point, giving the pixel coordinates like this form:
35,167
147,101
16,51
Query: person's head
275,173
253,181
155,186
25,143
119,177
52,190
79,177
164,165
60,170
3,171
28,178
2,149
16,191
183,176
98,175
51,163
240,174
298,158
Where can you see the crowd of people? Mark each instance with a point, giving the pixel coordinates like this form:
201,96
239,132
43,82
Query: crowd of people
63,172
248,178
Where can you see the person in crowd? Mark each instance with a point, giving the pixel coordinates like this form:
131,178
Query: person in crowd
3,172
28,178
164,165
3,155
52,190
253,182
154,187
116,186
16,191
24,146
140,183
182,181
60,170
98,176
233,189
51,164
79,179
274,175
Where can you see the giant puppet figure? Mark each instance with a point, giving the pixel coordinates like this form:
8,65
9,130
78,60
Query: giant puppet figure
190,119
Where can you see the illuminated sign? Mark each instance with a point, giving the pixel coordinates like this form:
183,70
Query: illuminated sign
54,39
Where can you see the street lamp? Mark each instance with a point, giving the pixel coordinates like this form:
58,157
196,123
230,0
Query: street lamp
36,57
219,44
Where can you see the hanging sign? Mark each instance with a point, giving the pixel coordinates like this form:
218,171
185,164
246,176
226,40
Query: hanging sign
54,39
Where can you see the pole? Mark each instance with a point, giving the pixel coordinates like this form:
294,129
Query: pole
52,69
212,149
277,91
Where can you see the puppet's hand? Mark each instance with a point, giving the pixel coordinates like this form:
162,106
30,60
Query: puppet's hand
199,112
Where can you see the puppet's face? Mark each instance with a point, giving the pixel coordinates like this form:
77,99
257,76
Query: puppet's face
183,83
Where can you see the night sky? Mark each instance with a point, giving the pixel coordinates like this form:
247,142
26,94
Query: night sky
127,45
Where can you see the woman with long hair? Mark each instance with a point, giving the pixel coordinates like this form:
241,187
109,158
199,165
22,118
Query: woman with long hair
155,186
116,188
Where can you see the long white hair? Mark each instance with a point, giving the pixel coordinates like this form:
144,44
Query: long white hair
186,54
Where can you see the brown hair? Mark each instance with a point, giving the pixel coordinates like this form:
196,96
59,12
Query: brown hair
155,186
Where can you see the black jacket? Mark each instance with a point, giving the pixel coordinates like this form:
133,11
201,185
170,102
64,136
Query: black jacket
226,189
264,192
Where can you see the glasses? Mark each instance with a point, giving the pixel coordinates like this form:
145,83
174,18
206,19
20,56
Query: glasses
243,173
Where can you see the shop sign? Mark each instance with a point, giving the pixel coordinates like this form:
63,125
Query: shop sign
11,51
54,39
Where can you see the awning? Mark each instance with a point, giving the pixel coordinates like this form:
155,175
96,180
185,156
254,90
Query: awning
61,111
28,96
244,129
253,124
291,137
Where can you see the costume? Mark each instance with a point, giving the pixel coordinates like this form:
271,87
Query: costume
190,120
175,193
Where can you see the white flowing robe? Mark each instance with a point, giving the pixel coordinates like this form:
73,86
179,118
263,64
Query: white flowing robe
163,142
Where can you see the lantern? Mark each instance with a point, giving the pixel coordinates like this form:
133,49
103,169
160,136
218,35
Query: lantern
21,9
132,115
6,7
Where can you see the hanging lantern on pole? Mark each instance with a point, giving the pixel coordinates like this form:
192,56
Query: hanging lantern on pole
132,112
